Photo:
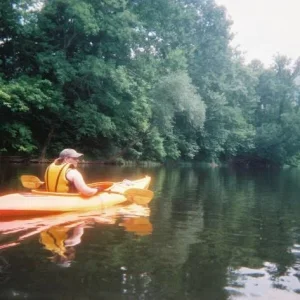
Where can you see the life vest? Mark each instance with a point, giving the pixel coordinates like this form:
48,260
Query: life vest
55,178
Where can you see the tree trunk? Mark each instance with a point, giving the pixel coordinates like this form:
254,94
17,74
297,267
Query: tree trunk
46,144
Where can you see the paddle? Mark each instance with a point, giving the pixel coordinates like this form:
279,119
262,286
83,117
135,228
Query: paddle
31,182
138,196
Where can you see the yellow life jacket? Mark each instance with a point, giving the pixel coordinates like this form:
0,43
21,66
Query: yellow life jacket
55,177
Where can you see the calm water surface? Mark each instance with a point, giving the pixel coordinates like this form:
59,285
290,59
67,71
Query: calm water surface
208,234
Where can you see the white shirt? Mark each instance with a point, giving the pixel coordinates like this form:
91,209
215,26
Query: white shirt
76,178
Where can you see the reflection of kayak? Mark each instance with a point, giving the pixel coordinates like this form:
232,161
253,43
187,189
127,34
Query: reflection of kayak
14,231
138,225
36,202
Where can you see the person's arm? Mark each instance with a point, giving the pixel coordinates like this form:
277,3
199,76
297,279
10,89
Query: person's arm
76,177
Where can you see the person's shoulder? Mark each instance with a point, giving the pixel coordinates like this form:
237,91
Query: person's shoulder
73,171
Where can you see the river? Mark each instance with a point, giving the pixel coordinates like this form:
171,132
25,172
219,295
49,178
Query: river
209,233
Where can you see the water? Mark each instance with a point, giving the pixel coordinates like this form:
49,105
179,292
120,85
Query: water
209,233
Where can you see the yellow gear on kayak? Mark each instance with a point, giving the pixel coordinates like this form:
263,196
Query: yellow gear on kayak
55,178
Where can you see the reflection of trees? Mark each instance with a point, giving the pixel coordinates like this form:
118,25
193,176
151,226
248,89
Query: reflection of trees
245,220
4,270
207,223
178,217
10,174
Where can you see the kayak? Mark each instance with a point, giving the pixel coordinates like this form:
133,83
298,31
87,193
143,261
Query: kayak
38,202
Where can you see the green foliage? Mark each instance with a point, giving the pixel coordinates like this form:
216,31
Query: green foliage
23,103
16,138
88,122
179,112
277,123
140,80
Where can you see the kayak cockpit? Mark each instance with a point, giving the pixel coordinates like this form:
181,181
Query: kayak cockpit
104,185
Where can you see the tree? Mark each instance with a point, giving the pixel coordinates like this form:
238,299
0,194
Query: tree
278,111
26,101
179,114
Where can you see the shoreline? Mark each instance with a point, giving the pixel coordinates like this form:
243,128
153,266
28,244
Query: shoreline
26,160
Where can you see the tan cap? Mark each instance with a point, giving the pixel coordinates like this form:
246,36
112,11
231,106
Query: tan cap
69,153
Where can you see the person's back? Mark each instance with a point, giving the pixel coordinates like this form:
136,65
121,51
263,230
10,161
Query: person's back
62,176
56,177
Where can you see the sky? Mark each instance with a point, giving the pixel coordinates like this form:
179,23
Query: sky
264,28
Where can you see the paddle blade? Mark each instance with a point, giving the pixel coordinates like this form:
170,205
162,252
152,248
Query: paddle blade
31,182
139,196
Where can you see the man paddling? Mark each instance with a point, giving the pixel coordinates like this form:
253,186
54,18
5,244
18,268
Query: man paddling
63,177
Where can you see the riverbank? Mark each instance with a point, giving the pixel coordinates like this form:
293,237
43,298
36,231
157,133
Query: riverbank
28,160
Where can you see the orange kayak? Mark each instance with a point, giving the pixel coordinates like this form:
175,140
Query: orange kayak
40,202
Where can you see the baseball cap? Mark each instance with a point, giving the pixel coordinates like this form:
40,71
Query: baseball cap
69,153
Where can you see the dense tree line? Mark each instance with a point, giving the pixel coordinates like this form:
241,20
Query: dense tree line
140,80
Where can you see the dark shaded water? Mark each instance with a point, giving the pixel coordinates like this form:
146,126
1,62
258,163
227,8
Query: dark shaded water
208,234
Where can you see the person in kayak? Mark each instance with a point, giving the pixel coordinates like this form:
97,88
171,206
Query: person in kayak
63,177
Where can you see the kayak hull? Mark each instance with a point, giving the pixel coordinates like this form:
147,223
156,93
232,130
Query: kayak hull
38,203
